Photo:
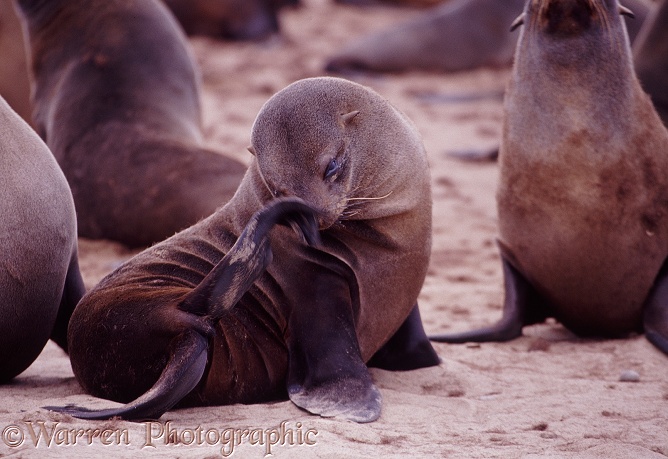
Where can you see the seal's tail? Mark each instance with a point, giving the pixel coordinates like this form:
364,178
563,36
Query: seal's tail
184,370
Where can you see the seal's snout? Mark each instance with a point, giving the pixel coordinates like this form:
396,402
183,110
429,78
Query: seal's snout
567,17
325,220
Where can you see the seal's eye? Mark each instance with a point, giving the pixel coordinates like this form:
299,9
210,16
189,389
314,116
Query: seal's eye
332,169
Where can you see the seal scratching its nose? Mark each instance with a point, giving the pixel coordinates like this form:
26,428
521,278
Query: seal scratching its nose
251,313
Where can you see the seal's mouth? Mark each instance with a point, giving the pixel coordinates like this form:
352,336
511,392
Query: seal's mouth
326,220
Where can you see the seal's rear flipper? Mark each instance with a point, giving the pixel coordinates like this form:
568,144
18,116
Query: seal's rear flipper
521,307
217,292
183,372
408,349
326,373
655,314
226,283
72,292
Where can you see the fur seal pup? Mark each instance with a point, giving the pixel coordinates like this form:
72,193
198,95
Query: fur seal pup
309,322
455,36
583,194
229,19
116,97
651,59
40,283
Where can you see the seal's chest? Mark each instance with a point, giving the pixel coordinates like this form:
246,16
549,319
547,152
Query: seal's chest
586,228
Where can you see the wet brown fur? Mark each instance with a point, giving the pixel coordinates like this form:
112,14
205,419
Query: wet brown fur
374,258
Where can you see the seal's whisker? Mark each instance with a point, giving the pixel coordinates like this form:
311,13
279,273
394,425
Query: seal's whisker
347,214
369,198
352,205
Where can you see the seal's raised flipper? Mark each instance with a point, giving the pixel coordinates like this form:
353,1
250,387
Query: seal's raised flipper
183,372
520,308
248,258
408,349
326,374
655,313
73,291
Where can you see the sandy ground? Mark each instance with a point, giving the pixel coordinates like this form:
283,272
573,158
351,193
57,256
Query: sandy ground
545,395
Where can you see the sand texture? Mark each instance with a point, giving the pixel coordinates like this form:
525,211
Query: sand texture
547,394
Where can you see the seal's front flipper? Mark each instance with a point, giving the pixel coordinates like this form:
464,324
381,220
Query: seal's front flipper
655,314
326,374
352,397
521,307
73,290
183,372
408,349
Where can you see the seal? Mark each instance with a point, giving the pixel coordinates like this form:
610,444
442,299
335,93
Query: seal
458,35
582,197
229,19
214,327
40,283
650,52
410,3
14,84
116,98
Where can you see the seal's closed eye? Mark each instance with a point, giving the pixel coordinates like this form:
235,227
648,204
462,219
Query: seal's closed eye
332,168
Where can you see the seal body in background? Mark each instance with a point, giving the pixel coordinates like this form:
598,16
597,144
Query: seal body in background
116,98
198,314
14,84
458,35
408,3
583,191
229,19
650,52
40,283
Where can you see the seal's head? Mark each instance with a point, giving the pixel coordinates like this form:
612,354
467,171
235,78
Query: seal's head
591,20
575,43
340,147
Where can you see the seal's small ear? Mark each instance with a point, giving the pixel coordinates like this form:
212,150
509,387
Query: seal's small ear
624,11
347,118
518,22
251,149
